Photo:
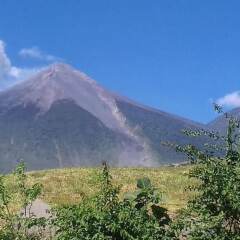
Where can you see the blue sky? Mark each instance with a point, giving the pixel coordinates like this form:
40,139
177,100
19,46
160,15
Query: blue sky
176,55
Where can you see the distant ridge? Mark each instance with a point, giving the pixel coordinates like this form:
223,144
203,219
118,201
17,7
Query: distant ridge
220,123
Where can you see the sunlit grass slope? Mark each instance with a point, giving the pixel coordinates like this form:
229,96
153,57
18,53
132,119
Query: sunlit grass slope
69,186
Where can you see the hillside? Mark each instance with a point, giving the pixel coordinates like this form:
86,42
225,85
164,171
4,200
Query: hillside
62,186
157,127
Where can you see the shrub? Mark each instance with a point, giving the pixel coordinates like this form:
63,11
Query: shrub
105,216
215,211
15,226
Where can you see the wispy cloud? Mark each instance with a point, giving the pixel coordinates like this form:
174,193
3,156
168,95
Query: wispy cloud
230,100
5,63
10,74
37,53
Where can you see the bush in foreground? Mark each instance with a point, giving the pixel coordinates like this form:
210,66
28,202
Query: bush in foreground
214,213
16,226
105,216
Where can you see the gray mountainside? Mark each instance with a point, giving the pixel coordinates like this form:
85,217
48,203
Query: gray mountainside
220,123
62,118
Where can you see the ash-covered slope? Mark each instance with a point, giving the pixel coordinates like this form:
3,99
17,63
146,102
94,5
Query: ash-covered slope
61,81
61,117
158,126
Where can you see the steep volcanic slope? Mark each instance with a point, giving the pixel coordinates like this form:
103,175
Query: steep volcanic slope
157,127
61,117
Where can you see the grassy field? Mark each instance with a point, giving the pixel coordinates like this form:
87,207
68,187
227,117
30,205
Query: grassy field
69,186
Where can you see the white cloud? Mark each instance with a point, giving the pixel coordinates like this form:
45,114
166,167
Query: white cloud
230,100
10,74
36,53
5,64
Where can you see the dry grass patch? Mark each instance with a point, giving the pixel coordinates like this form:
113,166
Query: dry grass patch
69,186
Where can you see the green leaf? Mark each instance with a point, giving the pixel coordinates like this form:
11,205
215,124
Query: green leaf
144,183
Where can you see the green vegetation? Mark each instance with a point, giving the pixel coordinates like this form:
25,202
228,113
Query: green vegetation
15,225
214,213
104,216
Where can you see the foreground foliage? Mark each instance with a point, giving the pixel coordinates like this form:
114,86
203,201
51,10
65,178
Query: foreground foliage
138,216
215,212
19,226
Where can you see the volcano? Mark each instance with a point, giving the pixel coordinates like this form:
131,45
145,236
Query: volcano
62,118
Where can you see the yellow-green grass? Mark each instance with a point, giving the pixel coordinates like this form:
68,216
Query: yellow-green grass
69,186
